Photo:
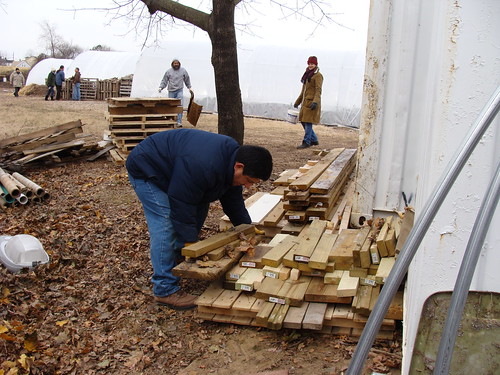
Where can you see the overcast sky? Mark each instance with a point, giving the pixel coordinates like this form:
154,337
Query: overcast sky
20,26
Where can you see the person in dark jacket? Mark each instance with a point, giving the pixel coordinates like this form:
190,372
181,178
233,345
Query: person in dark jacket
310,102
51,82
176,174
59,82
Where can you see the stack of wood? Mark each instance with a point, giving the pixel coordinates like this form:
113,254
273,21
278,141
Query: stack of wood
133,119
53,142
322,279
311,192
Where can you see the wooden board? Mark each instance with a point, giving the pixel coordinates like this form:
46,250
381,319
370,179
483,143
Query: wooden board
194,271
319,258
200,248
342,250
315,315
318,291
341,166
304,182
295,316
275,255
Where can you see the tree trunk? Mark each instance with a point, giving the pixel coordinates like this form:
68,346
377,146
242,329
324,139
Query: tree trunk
225,62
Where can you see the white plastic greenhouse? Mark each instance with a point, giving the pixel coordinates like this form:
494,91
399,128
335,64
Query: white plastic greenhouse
269,78
92,64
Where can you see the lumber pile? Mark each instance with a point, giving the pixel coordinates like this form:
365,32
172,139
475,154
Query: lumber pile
133,119
300,196
51,143
322,279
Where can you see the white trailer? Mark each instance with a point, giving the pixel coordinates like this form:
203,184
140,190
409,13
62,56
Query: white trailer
431,67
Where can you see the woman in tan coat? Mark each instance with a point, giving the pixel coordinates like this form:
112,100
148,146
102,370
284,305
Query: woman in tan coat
310,102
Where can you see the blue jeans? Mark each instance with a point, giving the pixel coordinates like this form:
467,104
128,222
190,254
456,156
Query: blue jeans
310,135
76,91
165,247
178,94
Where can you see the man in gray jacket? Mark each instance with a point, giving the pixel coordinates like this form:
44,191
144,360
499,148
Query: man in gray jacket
17,80
174,80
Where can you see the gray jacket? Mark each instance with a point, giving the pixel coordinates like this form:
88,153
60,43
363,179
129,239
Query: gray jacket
174,80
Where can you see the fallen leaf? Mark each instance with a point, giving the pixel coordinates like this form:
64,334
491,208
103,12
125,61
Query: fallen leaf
61,323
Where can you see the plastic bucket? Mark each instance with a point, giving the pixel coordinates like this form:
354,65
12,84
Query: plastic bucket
292,116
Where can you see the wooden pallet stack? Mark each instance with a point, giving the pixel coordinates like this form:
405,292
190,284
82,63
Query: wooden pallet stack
133,119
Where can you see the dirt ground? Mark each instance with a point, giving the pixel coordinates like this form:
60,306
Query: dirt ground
90,310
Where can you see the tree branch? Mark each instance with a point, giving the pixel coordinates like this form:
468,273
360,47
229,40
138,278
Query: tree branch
180,11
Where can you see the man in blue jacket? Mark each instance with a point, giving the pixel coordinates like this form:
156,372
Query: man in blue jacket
176,174
59,82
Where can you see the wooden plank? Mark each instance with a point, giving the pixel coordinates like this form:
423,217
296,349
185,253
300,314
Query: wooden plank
381,245
226,299
315,315
274,216
281,272
384,269
295,316
364,252
295,296
282,180
277,316
374,254
254,260
304,182
249,278
275,255
341,166
268,288
244,302
228,312
292,228
263,314
308,239
364,295
210,294
39,133
235,272
200,248
406,227
346,218
318,291
342,250
217,270
333,277
358,244
348,285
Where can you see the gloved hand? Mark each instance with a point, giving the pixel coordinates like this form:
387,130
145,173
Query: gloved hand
159,90
258,231
191,90
295,106
314,105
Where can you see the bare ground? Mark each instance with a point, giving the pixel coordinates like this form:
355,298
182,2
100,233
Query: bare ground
90,311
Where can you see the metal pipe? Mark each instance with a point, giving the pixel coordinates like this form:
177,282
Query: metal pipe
418,232
37,189
465,274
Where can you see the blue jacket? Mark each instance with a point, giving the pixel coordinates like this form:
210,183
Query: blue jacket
194,168
59,77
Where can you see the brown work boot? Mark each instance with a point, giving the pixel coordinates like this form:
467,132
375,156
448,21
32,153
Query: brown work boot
179,300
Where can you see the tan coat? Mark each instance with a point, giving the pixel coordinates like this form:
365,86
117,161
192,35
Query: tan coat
311,92
17,79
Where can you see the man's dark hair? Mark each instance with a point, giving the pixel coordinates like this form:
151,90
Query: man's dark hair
257,161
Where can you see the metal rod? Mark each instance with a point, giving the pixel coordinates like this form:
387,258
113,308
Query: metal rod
465,274
418,232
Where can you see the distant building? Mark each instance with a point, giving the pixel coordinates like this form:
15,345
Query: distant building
20,64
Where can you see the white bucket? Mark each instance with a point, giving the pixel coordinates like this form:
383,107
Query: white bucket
292,116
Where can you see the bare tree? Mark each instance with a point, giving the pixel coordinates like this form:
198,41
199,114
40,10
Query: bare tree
55,45
220,27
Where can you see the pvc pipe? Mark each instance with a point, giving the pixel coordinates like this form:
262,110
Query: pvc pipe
37,189
11,187
465,274
418,232
5,194
23,199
